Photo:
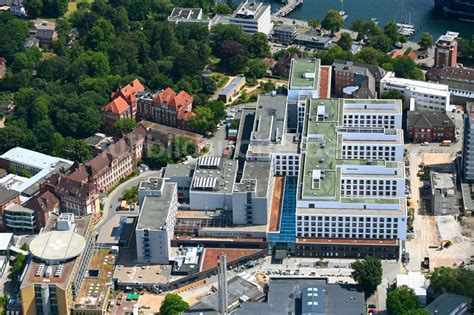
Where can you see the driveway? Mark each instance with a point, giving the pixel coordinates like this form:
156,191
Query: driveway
111,202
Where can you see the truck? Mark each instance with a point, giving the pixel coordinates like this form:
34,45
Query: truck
445,143
426,263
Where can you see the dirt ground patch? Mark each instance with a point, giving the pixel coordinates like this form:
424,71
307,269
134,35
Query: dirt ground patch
150,303
436,158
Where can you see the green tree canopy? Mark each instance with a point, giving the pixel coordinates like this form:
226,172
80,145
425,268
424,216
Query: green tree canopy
332,21
368,273
313,23
393,94
382,43
453,280
405,67
234,56
426,40
203,121
345,42
369,55
401,301
365,28
256,69
126,125
391,30
173,304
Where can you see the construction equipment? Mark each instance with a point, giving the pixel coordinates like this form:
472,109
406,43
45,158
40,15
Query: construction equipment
445,143
426,263
446,243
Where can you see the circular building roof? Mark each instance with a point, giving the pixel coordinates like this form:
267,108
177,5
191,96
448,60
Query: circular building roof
57,245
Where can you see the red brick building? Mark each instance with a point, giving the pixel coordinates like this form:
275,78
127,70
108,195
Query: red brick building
123,104
7,197
430,126
446,50
167,108
42,205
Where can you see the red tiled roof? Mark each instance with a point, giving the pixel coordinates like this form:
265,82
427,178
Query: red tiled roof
165,96
45,202
395,54
412,55
186,116
130,89
182,99
116,106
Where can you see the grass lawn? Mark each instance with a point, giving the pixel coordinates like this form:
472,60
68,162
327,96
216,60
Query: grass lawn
220,78
72,6
47,55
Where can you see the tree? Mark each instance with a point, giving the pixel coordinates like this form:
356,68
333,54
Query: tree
405,67
268,86
157,157
426,41
181,148
313,23
33,8
345,42
173,304
369,55
368,273
126,125
401,301
18,265
234,56
218,110
332,21
391,30
453,280
259,47
203,121
381,42
364,28
393,94
222,8
256,69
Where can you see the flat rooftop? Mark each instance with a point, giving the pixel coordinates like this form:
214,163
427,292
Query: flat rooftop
256,178
441,180
232,254
178,170
60,273
5,240
401,211
154,210
345,241
32,158
270,118
127,272
219,179
352,106
92,294
321,175
420,86
250,10
284,298
304,74
186,13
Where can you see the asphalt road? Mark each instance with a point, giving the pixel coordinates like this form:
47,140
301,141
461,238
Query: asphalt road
112,201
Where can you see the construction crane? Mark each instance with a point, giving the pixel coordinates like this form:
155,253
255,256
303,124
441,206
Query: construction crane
222,283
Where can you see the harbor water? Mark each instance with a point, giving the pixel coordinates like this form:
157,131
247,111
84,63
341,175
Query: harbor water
420,13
